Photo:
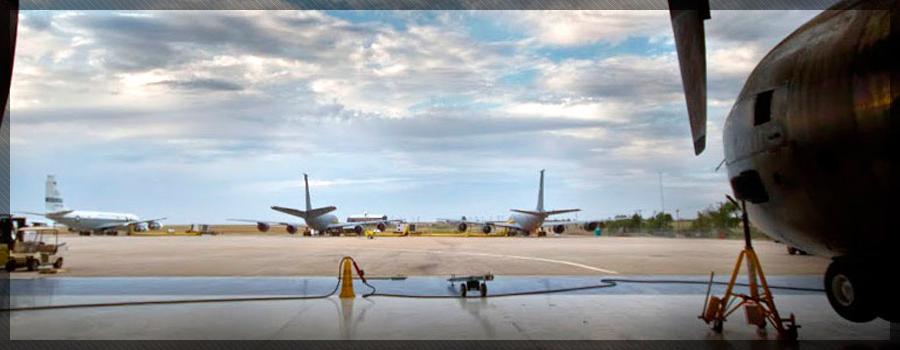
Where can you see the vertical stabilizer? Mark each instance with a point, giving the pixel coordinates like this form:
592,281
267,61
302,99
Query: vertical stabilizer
540,205
53,200
306,184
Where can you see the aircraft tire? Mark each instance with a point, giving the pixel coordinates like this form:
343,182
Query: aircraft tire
850,290
58,264
31,264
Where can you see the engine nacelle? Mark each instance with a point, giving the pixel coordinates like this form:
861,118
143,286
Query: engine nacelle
590,226
262,226
358,230
559,229
462,227
381,227
291,229
155,225
486,229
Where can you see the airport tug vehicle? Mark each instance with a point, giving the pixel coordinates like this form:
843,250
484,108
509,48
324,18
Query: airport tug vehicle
477,283
33,251
759,307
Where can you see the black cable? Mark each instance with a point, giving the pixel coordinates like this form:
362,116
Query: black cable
620,280
605,284
180,301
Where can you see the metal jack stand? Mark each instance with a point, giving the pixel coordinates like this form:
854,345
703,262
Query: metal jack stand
760,309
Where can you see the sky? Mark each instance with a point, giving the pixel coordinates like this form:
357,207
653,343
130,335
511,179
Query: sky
200,116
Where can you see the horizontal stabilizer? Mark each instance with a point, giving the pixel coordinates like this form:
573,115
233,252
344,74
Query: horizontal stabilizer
320,211
546,212
529,212
290,211
560,211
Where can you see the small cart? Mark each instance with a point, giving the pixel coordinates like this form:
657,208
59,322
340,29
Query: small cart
32,249
478,283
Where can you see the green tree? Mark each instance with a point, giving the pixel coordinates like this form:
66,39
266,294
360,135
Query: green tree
660,222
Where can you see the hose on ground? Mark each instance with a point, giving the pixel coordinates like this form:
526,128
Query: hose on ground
180,301
718,283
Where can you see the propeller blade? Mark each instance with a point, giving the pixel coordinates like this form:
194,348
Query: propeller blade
13,7
687,24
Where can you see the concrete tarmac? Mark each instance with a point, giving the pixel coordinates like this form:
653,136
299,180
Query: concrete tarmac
623,312
283,255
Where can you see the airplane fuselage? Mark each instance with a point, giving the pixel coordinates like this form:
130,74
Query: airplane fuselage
528,223
810,135
81,220
321,223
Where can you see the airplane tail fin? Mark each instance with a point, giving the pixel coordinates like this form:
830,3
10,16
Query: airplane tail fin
306,185
310,212
53,199
540,204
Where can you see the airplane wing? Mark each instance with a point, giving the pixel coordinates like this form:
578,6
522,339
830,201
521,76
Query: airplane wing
567,223
281,223
56,213
504,225
126,224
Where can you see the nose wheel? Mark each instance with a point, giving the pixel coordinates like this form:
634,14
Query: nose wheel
850,290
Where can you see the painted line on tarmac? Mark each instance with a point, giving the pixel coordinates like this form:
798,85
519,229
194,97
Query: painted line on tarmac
519,257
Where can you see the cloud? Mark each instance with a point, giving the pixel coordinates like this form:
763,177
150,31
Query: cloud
201,84
423,105
567,28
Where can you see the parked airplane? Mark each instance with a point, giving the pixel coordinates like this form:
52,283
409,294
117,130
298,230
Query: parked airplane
809,143
319,219
527,221
87,222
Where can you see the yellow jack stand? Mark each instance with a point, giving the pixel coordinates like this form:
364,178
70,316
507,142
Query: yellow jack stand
760,309
347,278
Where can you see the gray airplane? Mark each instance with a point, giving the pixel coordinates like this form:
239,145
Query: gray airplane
527,222
809,143
319,219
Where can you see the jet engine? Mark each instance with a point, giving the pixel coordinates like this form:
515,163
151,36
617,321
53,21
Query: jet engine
590,226
381,227
486,229
155,225
462,227
559,229
358,229
262,226
291,229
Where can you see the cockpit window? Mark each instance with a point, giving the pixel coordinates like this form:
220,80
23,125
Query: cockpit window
763,108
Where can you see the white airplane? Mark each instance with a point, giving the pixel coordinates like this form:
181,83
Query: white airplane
528,221
319,219
87,222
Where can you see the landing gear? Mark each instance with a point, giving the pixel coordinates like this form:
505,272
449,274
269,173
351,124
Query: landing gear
84,233
850,290
32,264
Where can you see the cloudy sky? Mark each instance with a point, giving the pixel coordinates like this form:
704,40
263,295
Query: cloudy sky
201,116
